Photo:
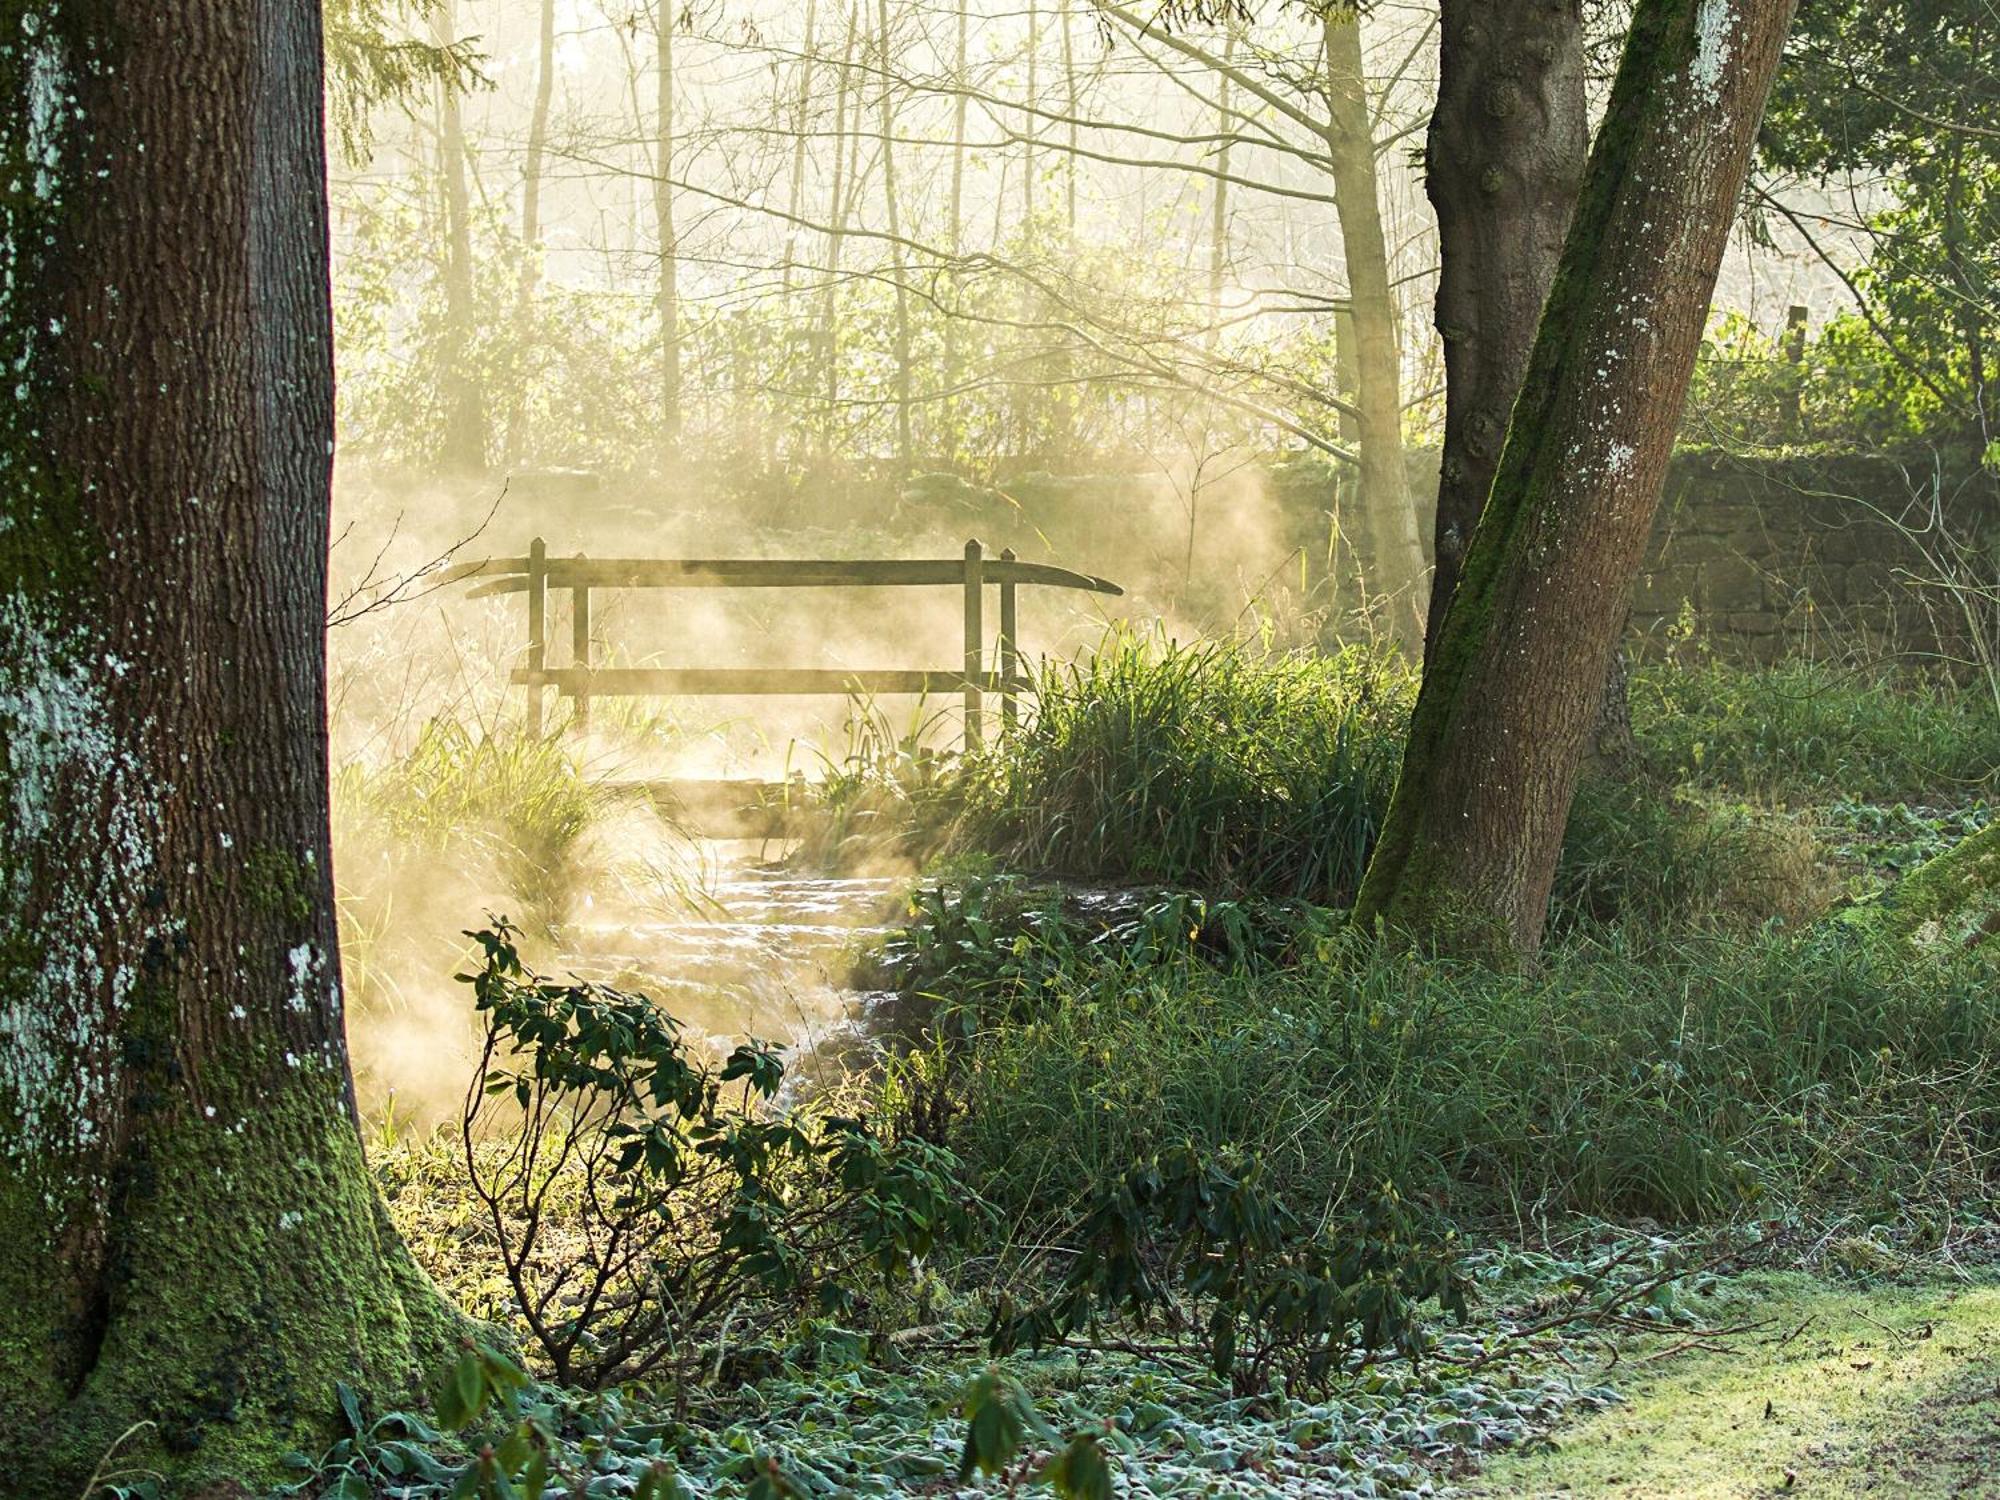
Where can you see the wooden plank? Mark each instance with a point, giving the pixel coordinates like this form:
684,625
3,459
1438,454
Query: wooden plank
757,572
975,641
579,649
536,583
1010,645
485,567
729,682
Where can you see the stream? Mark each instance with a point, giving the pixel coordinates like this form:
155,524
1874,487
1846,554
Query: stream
760,951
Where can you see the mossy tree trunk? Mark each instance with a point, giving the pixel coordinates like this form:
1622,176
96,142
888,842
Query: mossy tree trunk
188,1234
1513,686
1947,905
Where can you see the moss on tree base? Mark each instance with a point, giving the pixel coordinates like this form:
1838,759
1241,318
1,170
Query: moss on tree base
251,1267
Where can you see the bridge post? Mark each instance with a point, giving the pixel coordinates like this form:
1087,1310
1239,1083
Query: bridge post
1010,652
579,649
975,641
538,603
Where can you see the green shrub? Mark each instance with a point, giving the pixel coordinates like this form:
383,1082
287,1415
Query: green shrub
1283,1296
1218,766
1661,861
1706,1078
1802,731
646,1211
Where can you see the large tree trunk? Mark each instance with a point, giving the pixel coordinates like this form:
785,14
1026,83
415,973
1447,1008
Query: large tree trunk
1503,161
1514,684
188,1234
1382,478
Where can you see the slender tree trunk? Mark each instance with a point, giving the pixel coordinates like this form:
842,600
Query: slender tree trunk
1514,685
1218,202
886,114
1030,122
1383,479
954,357
801,119
668,295
188,1234
464,446
531,224
1069,109
1503,162
829,309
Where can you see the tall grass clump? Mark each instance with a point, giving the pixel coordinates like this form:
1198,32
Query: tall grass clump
1720,1078
1800,731
517,805
1221,766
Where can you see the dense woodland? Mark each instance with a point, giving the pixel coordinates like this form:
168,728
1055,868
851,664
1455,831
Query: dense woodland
858,747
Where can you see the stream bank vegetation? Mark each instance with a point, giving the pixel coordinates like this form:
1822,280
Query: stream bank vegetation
1166,1176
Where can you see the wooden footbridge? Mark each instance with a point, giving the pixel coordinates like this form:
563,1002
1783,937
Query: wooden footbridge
581,678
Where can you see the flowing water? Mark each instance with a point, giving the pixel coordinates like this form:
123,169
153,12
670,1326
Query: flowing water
758,951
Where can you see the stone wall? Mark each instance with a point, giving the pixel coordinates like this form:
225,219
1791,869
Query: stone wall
1762,558
1805,556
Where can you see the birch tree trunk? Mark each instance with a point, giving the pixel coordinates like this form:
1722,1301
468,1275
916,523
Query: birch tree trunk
1514,684
667,294
1382,478
188,1234
464,443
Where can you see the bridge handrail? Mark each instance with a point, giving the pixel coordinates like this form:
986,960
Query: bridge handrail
537,573
510,575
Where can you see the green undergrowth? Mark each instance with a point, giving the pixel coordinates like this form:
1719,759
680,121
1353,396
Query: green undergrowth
517,807
1803,733
826,1408
1246,773
1218,765
1711,1078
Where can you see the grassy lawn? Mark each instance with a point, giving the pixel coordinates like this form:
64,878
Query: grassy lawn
1840,1392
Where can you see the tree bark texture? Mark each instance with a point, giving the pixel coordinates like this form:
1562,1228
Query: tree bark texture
1513,687
1503,162
188,1234
1382,479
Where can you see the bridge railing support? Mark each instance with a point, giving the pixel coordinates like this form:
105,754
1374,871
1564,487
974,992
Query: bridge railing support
975,641
582,680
